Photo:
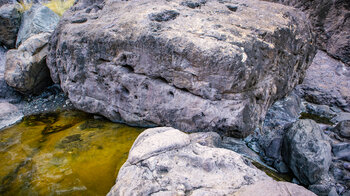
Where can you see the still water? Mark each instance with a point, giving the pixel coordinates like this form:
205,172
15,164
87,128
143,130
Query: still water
63,153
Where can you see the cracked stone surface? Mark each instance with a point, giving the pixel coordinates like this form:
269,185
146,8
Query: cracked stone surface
166,161
197,68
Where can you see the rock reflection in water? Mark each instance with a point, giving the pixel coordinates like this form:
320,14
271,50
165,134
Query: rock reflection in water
64,153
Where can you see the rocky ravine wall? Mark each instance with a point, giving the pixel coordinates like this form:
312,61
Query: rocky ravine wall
206,65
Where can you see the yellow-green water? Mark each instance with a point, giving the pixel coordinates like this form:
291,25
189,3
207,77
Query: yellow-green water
63,153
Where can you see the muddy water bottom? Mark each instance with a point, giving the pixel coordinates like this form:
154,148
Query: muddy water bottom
63,153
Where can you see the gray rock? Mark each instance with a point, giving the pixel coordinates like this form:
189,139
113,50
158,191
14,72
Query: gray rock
341,151
10,19
9,114
331,24
280,114
195,70
273,189
307,151
26,69
327,82
7,93
343,129
38,19
165,161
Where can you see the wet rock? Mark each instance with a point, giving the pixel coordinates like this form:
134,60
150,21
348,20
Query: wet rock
164,67
26,69
341,151
273,189
9,114
165,161
307,151
327,82
331,24
38,19
10,19
343,129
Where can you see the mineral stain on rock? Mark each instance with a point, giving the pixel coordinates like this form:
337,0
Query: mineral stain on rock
63,153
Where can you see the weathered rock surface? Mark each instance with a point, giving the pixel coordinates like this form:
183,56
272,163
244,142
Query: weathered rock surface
272,188
165,161
10,19
327,82
38,19
9,114
331,23
26,69
207,69
307,151
3,2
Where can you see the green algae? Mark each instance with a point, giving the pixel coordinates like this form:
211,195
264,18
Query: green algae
275,175
316,118
63,153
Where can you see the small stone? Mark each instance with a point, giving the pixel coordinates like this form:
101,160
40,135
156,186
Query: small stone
232,8
346,165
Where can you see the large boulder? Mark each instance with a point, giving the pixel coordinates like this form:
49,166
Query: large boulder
307,152
10,19
166,161
331,24
38,19
26,69
327,82
152,62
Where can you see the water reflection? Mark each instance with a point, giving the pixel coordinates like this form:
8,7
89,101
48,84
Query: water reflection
64,153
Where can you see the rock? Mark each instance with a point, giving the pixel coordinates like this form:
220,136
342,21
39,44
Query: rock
165,161
327,82
330,21
273,189
26,69
3,2
38,19
307,151
343,129
10,19
269,139
172,65
9,114
7,93
341,151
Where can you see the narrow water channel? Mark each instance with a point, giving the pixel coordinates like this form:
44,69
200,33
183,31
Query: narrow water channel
63,153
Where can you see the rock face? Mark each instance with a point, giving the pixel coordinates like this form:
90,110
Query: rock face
170,64
165,161
10,19
38,19
9,114
26,69
307,151
331,23
327,82
273,189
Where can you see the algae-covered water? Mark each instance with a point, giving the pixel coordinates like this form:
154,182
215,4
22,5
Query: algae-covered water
63,153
